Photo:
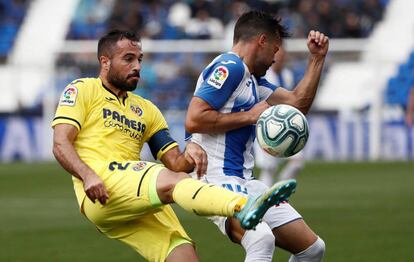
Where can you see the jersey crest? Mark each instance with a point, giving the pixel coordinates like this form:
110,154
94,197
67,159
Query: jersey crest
136,109
138,166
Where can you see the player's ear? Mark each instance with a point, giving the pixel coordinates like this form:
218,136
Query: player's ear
262,39
105,62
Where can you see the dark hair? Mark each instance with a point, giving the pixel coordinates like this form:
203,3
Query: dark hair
107,42
254,23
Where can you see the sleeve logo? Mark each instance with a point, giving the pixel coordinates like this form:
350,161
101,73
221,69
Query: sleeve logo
69,96
218,77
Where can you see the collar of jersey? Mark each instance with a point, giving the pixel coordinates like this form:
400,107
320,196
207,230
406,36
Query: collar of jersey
244,64
110,91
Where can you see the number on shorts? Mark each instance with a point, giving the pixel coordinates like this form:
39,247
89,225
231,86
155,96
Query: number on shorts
118,166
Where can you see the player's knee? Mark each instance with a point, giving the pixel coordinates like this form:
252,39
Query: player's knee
166,182
321,248
314,253
168,179
318,250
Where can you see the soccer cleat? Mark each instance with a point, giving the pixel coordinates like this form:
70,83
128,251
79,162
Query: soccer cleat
256,206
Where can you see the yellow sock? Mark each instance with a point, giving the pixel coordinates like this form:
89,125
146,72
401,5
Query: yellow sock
206,199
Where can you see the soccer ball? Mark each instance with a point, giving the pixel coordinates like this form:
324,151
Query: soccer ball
282,130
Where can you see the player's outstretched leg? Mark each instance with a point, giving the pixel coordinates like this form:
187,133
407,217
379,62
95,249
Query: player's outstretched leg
252,213
210,200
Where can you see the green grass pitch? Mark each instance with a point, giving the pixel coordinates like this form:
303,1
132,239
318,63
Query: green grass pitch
363,211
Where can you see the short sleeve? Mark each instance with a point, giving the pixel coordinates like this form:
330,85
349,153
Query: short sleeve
72,107
158,137
156,121
219,82
265,88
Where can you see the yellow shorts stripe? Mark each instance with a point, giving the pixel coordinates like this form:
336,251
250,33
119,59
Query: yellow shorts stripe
152,191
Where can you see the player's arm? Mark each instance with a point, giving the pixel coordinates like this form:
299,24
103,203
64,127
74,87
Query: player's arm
65,153
166,149
192,157
302,96
409,117
203,118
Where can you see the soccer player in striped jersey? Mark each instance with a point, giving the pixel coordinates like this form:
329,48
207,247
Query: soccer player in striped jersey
230,95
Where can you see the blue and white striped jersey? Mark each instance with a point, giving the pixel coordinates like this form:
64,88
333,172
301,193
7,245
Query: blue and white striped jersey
227,86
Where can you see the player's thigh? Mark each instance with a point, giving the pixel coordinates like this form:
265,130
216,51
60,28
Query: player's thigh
184,252
295,236
155,235
132,193
290,230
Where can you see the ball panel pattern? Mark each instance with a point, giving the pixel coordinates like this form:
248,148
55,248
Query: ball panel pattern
282,130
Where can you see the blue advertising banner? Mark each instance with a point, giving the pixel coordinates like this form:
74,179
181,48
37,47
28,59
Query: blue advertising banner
330,138
24,138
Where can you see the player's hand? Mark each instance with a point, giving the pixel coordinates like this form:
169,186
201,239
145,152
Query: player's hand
318,43
257,110
95,188
196,156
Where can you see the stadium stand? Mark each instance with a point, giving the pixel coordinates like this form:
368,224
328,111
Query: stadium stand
87,19
90,19
12,13
355,87
30,65
207,20
203,19
358,85
398,86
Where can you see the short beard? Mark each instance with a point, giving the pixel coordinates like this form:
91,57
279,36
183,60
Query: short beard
119,83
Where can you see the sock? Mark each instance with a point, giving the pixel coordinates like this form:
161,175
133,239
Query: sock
206,199
259,244
314,253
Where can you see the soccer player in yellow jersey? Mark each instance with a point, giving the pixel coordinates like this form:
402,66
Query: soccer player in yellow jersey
99,130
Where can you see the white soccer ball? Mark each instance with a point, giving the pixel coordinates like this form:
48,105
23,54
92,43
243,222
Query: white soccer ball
282,130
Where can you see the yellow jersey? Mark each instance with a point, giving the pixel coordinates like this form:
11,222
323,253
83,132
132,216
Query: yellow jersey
110,129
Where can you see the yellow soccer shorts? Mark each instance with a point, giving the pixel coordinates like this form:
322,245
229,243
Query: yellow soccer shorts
133,213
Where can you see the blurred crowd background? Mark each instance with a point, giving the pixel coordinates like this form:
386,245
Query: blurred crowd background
169,79
202,19
357,114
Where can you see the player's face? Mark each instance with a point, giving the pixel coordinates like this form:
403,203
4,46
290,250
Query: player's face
279,59
125,66
265,56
